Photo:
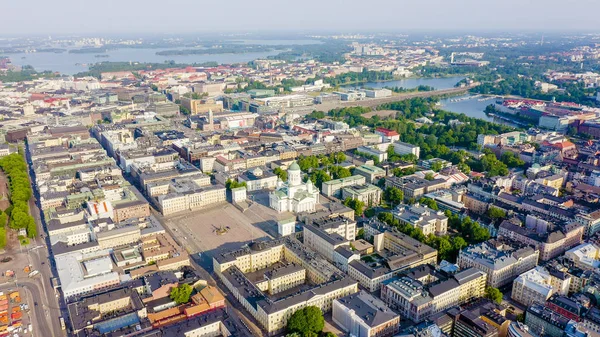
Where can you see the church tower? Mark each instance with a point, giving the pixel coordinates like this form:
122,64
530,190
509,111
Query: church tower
294,174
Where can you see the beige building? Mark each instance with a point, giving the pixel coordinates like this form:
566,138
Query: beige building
235,267
423,291
118,237
402,252
188,196
279,277
327,234
585,256
368,194
198,106
424,218
130,210
361,314
475,203
502,261
537,286
551,240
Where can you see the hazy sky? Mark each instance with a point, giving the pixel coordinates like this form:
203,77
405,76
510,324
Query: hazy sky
193,16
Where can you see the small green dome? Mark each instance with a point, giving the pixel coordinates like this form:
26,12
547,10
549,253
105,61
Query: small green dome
294,167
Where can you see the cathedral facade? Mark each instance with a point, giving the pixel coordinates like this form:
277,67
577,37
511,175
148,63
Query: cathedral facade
294,196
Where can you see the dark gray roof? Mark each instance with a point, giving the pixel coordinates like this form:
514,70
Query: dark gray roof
443,287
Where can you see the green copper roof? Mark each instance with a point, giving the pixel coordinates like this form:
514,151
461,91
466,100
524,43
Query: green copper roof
294,167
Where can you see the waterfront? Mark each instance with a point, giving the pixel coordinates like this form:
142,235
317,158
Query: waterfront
411,83
71,63
472,106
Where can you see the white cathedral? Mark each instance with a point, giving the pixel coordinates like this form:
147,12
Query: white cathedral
294,196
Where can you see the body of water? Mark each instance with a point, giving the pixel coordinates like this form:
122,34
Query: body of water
69,63
469,105
411,83
300,42
472,106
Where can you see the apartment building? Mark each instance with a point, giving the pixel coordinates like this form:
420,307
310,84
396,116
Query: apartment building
422,217
394,252
590,221
552,240
94,311
198,106
119,236
540,320
278,277
82,273
502,261
402,148
131,210
537,285
361,314
325,238
424,291
585,256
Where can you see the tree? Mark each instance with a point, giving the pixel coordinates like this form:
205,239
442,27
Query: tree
282,174
356,205
429,176
184,110
316,115
360,234
496,213
493,166
429,203
318,177
521,317
493,294
398,172
306,320
338,172
512,160
328,334
393,195
181,294
458,243
337,157
436,166
231,184
386,217
308,162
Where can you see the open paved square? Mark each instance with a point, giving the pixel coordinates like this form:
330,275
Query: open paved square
219,227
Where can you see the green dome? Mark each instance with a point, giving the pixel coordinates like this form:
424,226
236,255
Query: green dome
294,167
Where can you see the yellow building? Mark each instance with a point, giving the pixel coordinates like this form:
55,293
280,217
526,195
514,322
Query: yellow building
198,106
237,269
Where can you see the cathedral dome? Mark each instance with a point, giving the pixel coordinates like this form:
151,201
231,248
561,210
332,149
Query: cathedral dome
294,167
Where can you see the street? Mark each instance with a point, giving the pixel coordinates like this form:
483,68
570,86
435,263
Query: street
39,258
